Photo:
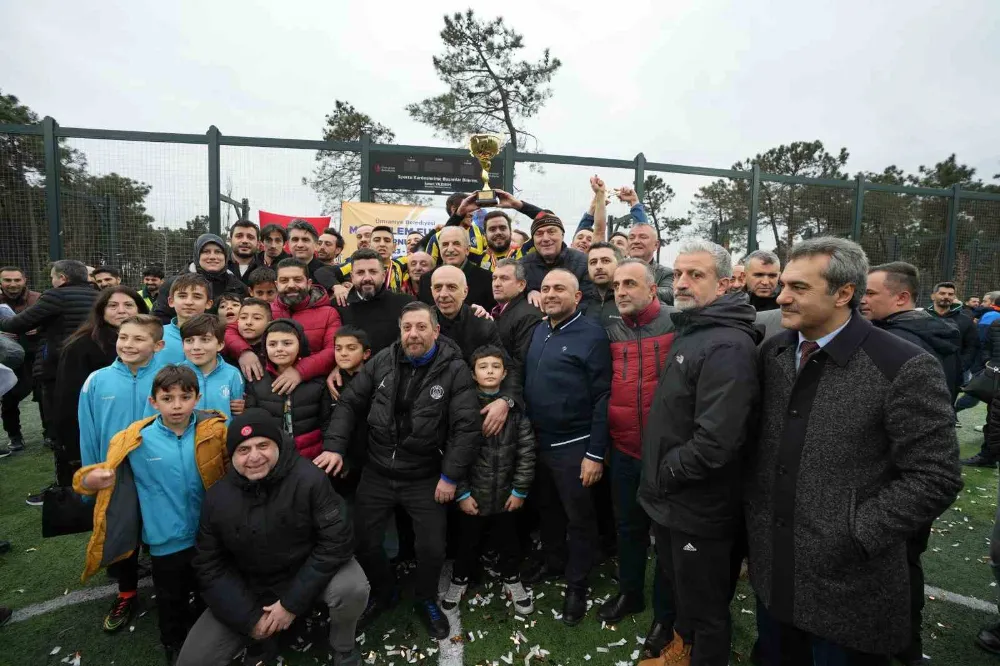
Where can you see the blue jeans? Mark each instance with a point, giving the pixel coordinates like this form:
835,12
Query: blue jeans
785,645
633,537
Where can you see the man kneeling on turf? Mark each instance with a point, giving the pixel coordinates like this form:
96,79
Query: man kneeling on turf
274,537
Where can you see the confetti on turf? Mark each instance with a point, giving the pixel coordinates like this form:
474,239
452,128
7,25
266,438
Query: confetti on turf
55,650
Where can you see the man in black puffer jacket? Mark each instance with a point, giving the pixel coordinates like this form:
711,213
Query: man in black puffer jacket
210,260
274,538
56,314
420,403
371,305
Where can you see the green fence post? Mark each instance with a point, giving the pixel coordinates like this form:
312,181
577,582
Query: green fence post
51,144
640,176
859,207
510,154
366,167
951,233
214,182
754,208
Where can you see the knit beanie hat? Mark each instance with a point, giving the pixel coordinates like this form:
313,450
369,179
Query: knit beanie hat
254,422
546,218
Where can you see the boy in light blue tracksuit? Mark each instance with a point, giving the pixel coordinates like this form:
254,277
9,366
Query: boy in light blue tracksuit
190,295
220,384
114,397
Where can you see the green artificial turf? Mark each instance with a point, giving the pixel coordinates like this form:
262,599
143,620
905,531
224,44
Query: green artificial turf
54,567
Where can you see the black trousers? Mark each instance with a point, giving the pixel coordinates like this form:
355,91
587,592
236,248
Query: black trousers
569,519
127,572
375,501
915,547
177,600
501,531
698,572
10,405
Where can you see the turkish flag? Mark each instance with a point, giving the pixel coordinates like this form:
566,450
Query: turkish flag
320,224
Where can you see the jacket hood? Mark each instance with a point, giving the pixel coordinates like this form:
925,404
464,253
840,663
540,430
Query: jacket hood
943,338
200,244
300,332
954,310
732,310
286,460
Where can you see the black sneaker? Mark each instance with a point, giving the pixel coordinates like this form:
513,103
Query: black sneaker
989,638
434,619
38,499
4,451
4,547
979,460
5,615
16,444
538,572
574,606
352,658
172,652
121,612
49,443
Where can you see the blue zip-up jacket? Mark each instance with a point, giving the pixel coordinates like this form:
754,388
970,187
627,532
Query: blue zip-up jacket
111,400
988,318
637,212
169,487
223,384
173,347
568,383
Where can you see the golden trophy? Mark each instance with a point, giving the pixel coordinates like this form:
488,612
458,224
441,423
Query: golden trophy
484,147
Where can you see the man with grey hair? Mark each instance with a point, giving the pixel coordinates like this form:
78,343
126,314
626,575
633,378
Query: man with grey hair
453,243
856,452
692,447
762,270
515,317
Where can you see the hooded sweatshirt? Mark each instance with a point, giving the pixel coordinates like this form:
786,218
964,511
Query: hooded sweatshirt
937,337
218,387
111,400
220,282
958,316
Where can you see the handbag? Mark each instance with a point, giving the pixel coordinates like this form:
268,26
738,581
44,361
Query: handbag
65,512
983,385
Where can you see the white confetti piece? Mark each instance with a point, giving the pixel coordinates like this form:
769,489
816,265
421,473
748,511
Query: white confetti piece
55,650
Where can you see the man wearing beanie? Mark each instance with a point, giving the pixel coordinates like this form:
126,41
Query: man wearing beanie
269,496
547,233
210,259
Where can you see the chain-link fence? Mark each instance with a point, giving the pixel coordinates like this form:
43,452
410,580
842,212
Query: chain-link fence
129,199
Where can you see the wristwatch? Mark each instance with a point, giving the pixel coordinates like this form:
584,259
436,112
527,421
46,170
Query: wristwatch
510,402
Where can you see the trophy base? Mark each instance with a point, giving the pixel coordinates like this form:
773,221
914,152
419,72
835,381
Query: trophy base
486,198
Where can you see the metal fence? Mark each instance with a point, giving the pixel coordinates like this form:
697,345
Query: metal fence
63,194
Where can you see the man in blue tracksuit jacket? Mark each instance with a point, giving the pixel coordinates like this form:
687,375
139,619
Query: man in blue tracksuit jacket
567,385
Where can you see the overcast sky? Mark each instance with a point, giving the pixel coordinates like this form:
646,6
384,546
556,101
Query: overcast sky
683,81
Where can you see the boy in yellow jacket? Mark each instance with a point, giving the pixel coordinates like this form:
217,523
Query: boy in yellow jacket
155,474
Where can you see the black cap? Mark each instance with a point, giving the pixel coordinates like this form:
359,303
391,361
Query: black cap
254,422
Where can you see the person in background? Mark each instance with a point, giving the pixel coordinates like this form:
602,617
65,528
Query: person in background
229,307
583,239
371,304
304,413
643,242
739,279
856,453
126,384
989,636
602,260
418,265
253,319
210,258
329,246
243,243
945,306
220,385
462,209
261,284
273,237
254,590
152,279
302,239
700,418
547,232
571,427
762,270
522,238
363,236
152,484
640,344
353,351
413,241
498,240
454,248
107,276
383,244
515,317
55,315
971,307
14,292
190,295
497,486
620,240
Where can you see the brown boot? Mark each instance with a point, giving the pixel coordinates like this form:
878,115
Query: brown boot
677,653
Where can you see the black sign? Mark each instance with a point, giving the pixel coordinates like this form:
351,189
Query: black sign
444,173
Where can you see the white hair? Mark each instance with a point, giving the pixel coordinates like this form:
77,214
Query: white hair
723,260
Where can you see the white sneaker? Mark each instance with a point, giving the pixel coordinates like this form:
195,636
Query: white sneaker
521,598
978,428
456,590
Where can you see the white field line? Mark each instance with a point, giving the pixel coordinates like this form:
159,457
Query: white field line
450,654
71,599
961,600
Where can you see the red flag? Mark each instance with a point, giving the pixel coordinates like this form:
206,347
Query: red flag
320,224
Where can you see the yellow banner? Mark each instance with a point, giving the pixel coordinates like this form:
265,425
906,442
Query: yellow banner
404,220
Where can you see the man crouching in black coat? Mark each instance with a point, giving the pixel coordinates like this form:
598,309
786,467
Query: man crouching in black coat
274,537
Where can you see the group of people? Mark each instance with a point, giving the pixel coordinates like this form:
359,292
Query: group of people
256,422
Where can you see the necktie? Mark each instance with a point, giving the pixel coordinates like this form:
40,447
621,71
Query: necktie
806,350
